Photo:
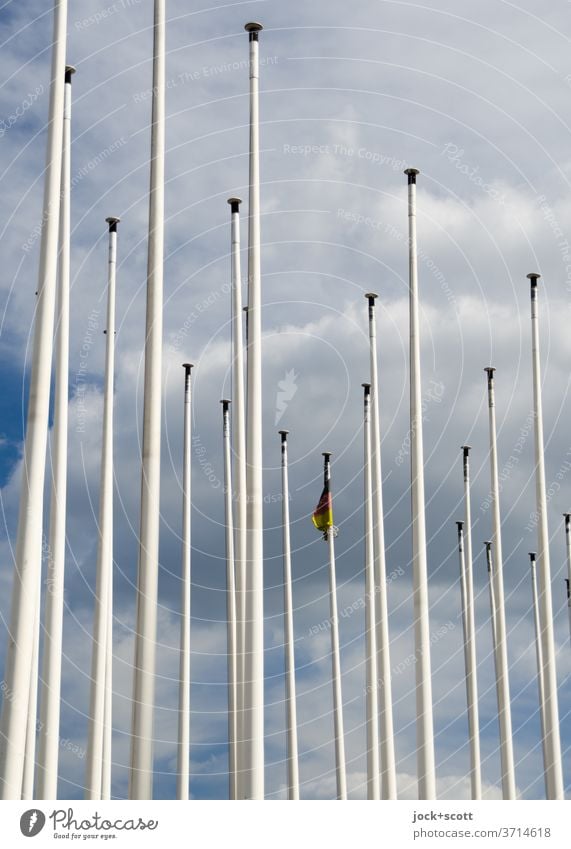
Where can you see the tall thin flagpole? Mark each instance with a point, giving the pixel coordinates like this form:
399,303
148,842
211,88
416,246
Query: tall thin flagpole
504,703
567,517
47,766
340,768
553,768
470,664
472,680
104,574
253,766
388,766
291,711
539,657
141,771
28,558
32,726
494,624
239,445
183,746
425,729
230,603
372,707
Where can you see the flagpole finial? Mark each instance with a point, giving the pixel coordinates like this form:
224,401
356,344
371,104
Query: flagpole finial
371,298
112,221
367,388
253,29
466,449
460,525
411,174
69,72
327,454
234,204
283,434
187,367
532,555
534,277
225,404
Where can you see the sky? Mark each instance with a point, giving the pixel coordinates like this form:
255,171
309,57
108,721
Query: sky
476,98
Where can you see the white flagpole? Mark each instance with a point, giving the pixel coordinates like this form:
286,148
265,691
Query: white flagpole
141,770
504,703
495,636
340,768
230,603
388,766
539,659
32,725
425,730
553,768
568,580
239,444
253,766
470,664
100,659
48,750
291,711
108,713
183,747
372,707
28,558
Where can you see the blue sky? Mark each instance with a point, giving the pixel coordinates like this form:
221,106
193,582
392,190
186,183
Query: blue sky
477,101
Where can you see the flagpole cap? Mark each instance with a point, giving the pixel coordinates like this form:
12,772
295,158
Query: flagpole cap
465,449
411,174
253,29
488,544
567,516
187,367
69,72
460,526
533,276
112,221
225,404
327,454
532,555
235,204
371,297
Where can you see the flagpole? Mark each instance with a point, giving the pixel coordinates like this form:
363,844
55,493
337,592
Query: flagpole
32,724
28,557
291,710
47,766
239,444
388,766
183,744
567,517
253,765
470,665
553,768
495,637
539,659
104,573
425,730
504,703
141,768
372,707
340,768
230,603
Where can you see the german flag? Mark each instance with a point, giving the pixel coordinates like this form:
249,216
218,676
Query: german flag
323,514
